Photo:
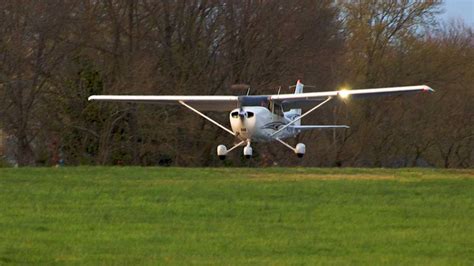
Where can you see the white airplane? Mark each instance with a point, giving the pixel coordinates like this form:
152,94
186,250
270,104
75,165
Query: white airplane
263,118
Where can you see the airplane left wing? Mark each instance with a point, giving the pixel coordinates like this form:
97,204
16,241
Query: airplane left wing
201,102
301,100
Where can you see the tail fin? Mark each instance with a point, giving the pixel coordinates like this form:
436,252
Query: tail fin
298,89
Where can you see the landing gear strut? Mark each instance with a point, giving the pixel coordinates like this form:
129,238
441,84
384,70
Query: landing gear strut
299,150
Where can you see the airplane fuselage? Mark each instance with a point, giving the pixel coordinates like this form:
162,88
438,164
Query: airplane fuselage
258,123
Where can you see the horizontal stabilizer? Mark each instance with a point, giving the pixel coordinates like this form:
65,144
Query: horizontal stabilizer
309,127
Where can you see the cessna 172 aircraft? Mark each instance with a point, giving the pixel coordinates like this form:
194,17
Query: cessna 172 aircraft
263,118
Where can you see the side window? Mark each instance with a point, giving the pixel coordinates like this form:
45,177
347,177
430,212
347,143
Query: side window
277,109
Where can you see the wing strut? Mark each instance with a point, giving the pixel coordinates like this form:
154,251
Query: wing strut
301,116
236,145
207,117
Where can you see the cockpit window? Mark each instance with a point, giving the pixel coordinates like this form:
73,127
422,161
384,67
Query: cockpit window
254,101
235,114
250,114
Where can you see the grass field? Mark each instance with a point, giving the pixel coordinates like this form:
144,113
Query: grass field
133,215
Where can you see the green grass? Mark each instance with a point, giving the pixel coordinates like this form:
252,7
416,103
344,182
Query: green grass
133,215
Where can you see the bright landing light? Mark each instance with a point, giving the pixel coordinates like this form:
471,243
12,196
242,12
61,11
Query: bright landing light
344,94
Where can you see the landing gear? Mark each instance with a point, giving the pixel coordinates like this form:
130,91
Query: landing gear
299,150
222,150
248,151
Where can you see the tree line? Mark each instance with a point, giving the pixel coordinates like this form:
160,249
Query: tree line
56,53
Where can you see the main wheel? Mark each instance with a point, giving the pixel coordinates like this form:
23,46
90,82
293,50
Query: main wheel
300,150
221,152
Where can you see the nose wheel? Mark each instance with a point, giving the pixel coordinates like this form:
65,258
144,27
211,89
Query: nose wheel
248,150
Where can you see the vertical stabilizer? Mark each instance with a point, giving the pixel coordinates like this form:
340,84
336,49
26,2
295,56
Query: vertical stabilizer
299,87
294,113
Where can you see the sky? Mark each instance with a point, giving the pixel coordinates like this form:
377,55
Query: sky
459,9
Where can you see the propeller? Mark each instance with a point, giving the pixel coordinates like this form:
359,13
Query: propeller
242,114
